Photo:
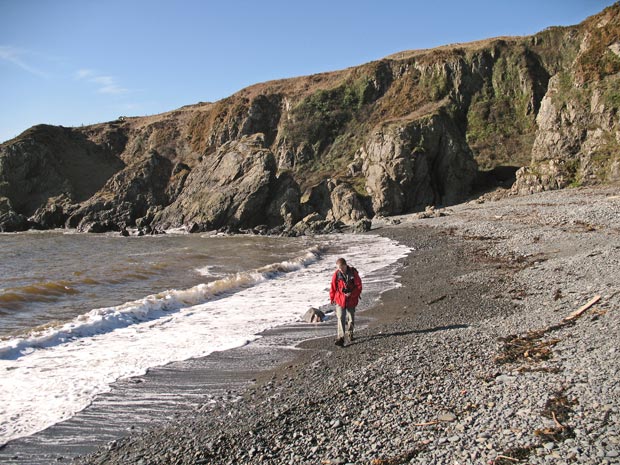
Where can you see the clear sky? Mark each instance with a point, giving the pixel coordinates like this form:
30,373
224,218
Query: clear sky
73,62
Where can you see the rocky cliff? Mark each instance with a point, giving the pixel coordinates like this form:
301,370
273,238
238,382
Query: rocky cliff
414,129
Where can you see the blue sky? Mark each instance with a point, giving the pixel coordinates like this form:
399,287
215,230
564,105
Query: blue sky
73,62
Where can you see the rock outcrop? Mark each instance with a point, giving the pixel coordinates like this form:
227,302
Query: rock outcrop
578,137
317,153
578,140
49,162
10,221
127,196
229,188
411,164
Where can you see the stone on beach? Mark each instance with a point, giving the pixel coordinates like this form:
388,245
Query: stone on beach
314,315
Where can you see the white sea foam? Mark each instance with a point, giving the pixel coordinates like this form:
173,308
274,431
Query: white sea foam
47,378
107,319
208,272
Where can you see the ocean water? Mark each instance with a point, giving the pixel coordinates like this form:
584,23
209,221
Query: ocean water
80,311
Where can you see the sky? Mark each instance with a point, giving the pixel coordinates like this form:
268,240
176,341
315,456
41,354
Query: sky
78,62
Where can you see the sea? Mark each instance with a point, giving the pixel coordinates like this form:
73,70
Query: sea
79,312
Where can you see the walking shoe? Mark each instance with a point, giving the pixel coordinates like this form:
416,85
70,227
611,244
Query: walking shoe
339,342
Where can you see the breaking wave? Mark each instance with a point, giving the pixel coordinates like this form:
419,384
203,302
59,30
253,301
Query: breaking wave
102,320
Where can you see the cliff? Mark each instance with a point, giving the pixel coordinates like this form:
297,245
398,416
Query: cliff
414,129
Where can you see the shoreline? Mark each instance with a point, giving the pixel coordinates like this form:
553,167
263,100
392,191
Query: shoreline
422,383
318,362
137,403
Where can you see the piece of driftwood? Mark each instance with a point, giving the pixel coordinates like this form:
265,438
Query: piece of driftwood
555,419
581,310
505,457
438,299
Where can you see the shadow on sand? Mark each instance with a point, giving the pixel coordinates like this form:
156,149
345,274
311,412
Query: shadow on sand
373,337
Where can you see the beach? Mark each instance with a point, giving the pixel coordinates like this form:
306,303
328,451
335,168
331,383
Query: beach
434,375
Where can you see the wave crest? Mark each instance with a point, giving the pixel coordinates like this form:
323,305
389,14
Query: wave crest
39,292
155,306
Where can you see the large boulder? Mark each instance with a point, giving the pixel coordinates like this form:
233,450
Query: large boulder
414,163
335,200
314,315
229,188
346,205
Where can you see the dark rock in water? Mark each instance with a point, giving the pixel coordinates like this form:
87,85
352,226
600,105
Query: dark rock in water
228,230
97,227
10,221
195,228
261,229
314,315
278,231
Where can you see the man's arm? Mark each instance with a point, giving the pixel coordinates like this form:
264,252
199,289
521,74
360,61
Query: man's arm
332,289
357,290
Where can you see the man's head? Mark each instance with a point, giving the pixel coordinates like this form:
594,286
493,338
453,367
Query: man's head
341,263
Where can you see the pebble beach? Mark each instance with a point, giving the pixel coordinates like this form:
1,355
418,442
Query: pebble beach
471,361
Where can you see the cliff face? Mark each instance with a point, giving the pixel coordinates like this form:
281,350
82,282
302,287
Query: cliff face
578,137
414,129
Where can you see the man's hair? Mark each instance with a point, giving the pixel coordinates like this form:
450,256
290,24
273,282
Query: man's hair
341,261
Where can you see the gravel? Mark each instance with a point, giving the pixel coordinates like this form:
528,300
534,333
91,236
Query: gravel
423,383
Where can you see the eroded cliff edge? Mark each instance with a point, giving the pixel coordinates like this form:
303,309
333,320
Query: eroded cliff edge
414,129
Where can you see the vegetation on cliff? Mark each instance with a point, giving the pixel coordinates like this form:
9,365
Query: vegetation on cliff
413,129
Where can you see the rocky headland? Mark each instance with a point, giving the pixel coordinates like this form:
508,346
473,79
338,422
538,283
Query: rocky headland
311,154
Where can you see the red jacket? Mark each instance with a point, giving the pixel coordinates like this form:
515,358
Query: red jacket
336,293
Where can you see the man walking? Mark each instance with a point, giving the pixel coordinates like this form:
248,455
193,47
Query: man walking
345,293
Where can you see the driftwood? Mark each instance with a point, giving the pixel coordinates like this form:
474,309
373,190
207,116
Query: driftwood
581,310
505,457
438,299
555,419
530,346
